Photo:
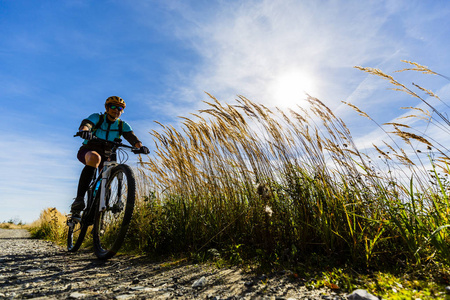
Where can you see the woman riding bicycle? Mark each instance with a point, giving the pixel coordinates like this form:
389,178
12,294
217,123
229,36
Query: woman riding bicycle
106,126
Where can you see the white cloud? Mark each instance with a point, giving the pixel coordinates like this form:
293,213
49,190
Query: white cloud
253,48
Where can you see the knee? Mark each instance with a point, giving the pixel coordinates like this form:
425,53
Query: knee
93,159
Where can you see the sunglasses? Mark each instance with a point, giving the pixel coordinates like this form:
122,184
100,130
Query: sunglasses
120,108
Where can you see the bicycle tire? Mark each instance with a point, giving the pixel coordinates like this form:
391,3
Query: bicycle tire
111,224
76,233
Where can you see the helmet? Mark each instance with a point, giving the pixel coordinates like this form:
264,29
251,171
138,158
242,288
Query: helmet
114,100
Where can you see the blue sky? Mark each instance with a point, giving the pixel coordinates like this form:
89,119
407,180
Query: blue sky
60,60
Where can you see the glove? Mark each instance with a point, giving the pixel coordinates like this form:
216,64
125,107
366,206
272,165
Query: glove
144,150
86,134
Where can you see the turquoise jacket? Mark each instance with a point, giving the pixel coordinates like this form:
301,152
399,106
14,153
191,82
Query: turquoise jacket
108,130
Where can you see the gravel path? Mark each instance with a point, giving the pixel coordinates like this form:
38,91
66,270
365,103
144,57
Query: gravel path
42,270
13,233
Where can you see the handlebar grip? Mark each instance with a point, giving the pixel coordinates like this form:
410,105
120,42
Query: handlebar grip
140,151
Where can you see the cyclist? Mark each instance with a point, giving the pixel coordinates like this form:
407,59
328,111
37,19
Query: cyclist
92,154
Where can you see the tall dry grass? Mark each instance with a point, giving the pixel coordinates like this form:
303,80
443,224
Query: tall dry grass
285,185
51,225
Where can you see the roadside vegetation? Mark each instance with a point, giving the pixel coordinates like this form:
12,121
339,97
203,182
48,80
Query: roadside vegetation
13,223
273,189
51,225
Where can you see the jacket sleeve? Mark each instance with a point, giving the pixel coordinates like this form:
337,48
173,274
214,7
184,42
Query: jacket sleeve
131,138
87,123
90,121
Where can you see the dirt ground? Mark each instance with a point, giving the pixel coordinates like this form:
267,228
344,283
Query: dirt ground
39,269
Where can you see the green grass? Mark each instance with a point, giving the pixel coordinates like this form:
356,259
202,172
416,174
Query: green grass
246,185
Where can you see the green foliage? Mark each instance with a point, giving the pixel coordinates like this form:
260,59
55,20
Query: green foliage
391,286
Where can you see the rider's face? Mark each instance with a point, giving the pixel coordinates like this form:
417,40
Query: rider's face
113,114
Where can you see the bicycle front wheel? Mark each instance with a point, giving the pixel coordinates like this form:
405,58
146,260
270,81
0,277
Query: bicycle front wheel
111,224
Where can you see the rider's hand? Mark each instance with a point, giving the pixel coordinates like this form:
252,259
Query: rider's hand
86,134
144,150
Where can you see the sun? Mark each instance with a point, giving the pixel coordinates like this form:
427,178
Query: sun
290,88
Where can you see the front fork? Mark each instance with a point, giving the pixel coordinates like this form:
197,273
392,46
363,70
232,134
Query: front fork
107,167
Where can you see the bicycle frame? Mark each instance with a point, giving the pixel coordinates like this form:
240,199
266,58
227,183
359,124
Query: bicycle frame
107,167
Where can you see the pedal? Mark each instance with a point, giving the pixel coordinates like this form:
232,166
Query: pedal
71,223
75,218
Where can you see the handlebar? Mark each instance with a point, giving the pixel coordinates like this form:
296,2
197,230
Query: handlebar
117,144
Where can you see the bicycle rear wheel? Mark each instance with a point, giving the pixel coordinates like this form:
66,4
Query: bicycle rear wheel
76,232
111,224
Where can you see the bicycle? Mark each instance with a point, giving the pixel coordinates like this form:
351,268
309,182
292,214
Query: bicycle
109,205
